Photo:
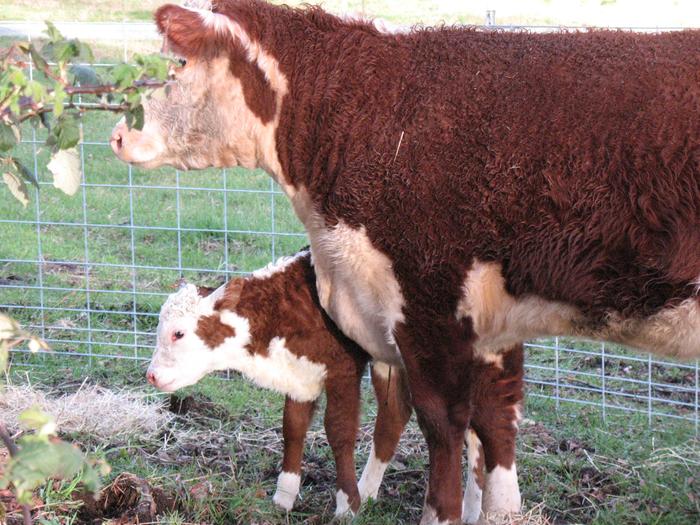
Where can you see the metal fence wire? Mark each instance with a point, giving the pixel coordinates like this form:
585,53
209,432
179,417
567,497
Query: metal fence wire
89,273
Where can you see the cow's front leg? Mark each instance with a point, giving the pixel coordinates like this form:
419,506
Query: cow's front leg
393,412
295,424
437,363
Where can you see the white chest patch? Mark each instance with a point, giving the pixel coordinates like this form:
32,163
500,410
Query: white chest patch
357,287
280,370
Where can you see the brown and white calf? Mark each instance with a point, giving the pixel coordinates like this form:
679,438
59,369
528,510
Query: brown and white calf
271,328
463,190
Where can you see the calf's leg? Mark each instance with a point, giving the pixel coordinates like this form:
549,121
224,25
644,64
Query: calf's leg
393,412
295,424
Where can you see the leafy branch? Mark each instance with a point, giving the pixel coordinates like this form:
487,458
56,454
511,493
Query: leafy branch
45,87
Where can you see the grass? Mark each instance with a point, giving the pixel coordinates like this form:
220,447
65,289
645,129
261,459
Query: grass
220,460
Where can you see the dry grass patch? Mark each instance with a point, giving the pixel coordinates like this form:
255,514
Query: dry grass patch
93,411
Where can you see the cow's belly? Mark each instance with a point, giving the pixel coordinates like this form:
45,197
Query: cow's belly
358,289
501,320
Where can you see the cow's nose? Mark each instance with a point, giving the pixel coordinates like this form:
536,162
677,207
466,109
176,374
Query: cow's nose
117,138
151,377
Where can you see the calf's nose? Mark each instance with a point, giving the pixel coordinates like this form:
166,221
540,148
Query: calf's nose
151,377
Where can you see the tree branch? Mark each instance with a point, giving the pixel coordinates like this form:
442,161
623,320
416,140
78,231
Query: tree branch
13,450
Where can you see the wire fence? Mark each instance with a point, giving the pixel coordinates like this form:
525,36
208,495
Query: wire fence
89,273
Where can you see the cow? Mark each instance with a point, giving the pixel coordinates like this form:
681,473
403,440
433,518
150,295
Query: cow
271,328
463,190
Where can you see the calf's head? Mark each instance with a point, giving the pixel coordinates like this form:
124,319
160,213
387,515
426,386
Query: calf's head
220,107
194,339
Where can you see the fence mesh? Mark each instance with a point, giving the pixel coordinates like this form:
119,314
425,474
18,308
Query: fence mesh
89,273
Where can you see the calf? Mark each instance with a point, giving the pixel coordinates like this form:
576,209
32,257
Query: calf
271,328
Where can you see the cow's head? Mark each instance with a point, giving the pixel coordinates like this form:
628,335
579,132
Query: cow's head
221,105
194,338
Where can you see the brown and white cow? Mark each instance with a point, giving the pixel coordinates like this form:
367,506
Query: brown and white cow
463,190
271,328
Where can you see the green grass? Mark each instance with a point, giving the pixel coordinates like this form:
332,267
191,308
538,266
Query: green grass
221,460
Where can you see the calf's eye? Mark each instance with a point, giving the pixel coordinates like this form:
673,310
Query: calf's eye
178,335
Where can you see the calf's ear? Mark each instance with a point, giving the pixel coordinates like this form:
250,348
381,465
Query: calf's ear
191,33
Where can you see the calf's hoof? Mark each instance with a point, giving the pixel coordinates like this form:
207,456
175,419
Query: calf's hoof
287,490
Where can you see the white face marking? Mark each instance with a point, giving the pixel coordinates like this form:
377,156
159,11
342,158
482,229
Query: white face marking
372,476
183,359
287,490
357,286
280,265
501,493
180,362
342,504
471,503
270,67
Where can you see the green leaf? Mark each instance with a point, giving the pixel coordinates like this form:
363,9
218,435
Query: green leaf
24,171
35,90
16,76
65,166
17,187
85,51
124,75
8,137
135,117
39,60
59,95
53,33
67,50
66,131
40,421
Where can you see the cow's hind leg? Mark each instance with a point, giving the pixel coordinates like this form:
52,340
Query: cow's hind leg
393,412
295,424
439,386
498,395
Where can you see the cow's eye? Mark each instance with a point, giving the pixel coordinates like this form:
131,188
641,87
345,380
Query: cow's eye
182,62
178,335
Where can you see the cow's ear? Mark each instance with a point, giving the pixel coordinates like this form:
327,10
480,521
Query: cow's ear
188,32
204,291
